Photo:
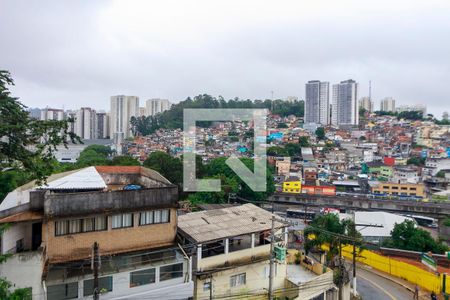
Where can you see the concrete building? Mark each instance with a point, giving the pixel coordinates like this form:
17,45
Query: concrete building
387,104
366,103
52,114
156,106
283,166
399,189
122,109
235,257
131,212
86,123
317,106
102,125
345,104
35,113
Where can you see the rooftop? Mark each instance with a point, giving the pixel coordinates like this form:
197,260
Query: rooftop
217,224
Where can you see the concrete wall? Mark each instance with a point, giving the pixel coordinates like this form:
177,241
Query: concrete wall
257,280
24,270
217,260
71,204
78,246
121,284
14,233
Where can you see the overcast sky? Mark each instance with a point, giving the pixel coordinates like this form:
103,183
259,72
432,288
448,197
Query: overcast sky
78,53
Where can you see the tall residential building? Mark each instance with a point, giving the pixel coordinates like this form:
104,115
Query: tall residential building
85,123
317,106
345,103
366,103
156,106
142,111
122,109
35,113
102,125
387,104
52,114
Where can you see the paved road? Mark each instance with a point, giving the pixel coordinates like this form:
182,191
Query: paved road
374,287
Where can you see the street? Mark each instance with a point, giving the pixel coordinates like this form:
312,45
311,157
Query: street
374,287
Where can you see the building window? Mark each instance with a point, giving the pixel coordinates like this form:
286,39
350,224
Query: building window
75,226
146,218
142,277
104,284
206,286
101,223
154,217
61,228
170,272
238,280
122,221
63,291
80,225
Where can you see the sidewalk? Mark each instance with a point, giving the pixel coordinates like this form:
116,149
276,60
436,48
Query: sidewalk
423,295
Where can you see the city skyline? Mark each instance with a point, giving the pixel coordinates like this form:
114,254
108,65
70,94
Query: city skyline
173,51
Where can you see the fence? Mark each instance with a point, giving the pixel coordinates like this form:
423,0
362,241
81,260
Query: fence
427,280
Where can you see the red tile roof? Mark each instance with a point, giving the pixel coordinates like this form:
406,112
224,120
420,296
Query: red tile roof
118,169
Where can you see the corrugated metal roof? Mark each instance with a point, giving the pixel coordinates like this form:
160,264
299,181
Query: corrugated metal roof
216,224
87,178
387,220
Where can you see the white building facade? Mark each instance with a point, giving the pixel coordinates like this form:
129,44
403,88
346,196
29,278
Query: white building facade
387,104
122,109
156,106
317,106
345,104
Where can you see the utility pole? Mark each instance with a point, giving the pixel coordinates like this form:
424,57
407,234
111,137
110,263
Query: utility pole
210,287
271,102
271,266
354,252
95,264
341,273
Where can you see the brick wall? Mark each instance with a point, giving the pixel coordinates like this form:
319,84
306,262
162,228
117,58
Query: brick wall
111,241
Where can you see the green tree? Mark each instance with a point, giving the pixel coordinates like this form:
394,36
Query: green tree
416,161
303,141
217,168
10,180
362,112
91,158
326,230
168,166
28,144
293,149
125,160
277,151
320,133
407,236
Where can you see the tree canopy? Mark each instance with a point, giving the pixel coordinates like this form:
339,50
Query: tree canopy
124,160
28,144
325,229
173,118
407,236
320,133
169,167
